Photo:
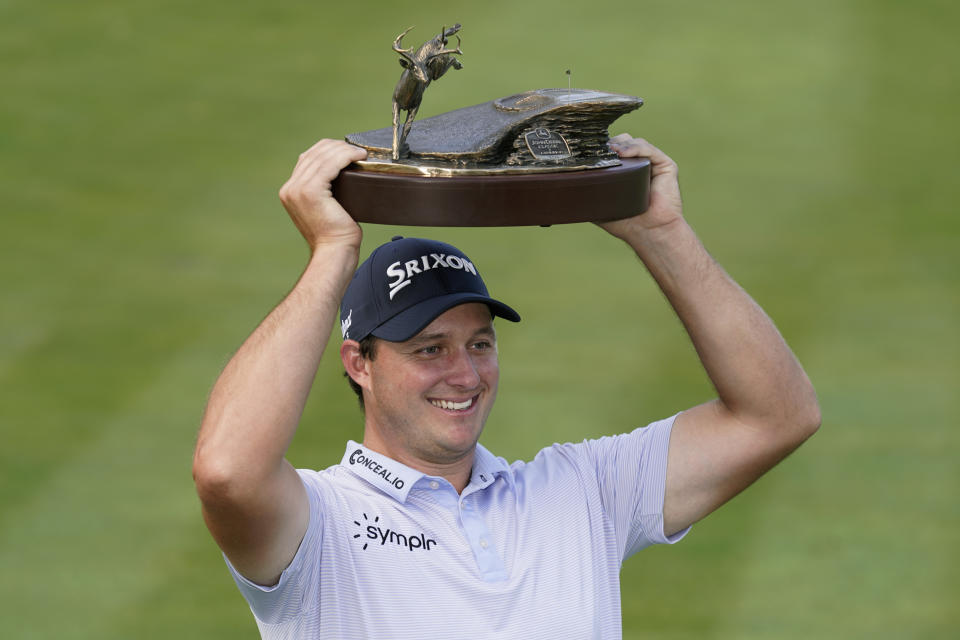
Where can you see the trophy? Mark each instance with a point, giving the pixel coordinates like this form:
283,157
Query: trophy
534,158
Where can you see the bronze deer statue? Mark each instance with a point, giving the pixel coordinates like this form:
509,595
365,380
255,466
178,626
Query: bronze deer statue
420,67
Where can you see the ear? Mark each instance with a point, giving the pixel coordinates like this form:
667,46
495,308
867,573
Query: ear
354,363
404,63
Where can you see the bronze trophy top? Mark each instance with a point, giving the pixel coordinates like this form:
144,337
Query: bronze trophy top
541,130
534,158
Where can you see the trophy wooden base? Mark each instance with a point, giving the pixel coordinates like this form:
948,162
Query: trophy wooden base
597,195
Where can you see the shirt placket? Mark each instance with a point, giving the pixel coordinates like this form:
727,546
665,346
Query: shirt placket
472,525
475,530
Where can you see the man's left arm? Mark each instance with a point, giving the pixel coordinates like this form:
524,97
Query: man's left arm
766,406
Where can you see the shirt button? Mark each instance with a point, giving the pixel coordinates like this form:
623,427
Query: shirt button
434,484
483,543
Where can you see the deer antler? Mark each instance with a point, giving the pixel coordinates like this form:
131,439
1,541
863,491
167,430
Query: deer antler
446,51
404,52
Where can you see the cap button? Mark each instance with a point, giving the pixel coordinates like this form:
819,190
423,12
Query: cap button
395,238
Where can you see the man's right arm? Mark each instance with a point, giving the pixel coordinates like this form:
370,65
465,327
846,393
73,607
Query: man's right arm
254,502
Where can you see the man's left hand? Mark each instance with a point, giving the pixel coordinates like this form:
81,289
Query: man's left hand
665,204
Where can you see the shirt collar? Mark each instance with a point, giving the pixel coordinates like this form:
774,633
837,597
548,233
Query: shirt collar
486,467
396,479
388,475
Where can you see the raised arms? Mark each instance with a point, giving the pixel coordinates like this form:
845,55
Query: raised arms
766,406
253,500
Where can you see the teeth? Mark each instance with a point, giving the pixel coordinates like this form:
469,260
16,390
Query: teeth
456,406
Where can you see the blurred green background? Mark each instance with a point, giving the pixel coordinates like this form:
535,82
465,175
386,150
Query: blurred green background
142,144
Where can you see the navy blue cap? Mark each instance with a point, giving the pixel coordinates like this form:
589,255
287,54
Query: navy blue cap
405,284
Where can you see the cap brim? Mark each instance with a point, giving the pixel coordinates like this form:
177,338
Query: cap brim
412,321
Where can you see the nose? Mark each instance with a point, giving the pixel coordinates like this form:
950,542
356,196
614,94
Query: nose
462,371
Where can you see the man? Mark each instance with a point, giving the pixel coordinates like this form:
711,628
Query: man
420,532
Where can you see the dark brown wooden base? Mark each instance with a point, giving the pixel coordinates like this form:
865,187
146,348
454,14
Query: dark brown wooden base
595,195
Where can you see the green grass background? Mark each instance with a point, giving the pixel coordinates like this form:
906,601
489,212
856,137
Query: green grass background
142,144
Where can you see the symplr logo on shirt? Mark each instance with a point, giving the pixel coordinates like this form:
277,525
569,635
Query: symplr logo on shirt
374,532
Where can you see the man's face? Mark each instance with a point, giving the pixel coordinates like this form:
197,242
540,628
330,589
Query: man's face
429,397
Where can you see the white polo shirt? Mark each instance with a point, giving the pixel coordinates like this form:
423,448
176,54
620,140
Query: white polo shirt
528,550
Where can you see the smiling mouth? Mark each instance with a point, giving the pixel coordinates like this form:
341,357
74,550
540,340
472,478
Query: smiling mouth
454,406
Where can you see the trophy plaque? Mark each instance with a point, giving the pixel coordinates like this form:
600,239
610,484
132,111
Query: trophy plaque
534,158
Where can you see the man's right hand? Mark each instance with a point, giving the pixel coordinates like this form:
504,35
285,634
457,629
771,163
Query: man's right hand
308,198
254,502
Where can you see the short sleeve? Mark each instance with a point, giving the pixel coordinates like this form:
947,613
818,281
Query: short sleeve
630,471
285,600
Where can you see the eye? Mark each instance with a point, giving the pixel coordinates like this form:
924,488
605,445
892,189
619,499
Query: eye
430,350
482,345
